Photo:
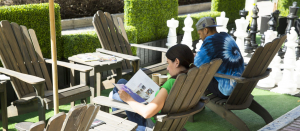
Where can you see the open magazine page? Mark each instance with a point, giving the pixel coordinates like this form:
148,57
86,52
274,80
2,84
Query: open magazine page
130,92
143,86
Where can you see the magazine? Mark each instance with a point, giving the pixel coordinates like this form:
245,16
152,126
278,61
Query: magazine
140,87
97,122
86,57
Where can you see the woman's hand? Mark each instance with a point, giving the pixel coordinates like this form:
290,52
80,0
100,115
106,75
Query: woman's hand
124,96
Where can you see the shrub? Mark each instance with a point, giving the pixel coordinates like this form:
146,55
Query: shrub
80,43
36,16
231,7
147,19
196,18
283,6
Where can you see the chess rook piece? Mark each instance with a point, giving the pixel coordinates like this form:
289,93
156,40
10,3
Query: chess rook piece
253,28
172,36
241,33
187,36
288,85
222,20
248,47
276,74
231,32
298,50
262,40
243,13
291,17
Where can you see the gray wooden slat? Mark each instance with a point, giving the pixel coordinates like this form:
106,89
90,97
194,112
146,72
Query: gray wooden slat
24,51
126,42
55,122
106,31
146,57
95,112
85,120
40,58
100,32
181,124
142,57
8,33
74,118
113,32
34,59
150,59
7,63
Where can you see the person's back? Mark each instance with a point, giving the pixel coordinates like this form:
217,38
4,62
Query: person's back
219,45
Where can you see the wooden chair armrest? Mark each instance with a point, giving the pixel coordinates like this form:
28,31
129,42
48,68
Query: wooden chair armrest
243,79
150,47
23,77
124,56
204,99
194,110
81,68
106,101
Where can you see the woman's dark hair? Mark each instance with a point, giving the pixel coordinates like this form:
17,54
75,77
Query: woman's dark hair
184,54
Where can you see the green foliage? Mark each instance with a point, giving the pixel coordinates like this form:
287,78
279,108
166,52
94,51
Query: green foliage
196,18
36,16
80,43
145,20
231,7
283,6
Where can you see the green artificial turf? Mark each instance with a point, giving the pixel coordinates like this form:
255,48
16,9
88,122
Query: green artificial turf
207,120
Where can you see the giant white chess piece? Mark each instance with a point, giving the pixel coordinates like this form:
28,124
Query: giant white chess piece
198,45
172,36
187,36
276,75
241,33
288,85
297,74
222,20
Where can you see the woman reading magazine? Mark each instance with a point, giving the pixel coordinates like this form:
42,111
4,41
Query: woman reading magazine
180,59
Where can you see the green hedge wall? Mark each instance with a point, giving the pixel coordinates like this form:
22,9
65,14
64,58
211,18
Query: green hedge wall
83,42
231,7
147,19
196,18
283,6
36,16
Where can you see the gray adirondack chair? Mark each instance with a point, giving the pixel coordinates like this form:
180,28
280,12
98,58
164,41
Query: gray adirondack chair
114,41
241,97
21,54
79,118
183,100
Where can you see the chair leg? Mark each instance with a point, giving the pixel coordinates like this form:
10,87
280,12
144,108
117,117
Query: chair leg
72,104
83,101
261,111
228,116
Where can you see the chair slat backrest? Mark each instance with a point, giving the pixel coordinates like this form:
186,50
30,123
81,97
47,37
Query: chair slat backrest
55,123
257,65
95,112
87,116
186,93
18,54
74,117
112,35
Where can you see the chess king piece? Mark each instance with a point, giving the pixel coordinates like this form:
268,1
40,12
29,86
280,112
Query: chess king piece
222,20
243,13
291,17
198,45
241,33
187,36
253,29
288,85
172,36
276,74
298,49
231,32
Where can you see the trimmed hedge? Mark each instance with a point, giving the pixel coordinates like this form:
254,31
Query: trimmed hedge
147,19
196,18
231,7
36,16
283,7
80,43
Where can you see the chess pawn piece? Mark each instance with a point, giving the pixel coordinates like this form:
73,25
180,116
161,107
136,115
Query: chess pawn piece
248,47
291,17
243,13
231,33
198,45
187,36
253,28
298,49
288,85
241,33
276,74
222,20
172,36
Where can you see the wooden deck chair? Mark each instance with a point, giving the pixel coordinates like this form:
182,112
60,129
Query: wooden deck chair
241,97
79,118
183,100
114,41
20,52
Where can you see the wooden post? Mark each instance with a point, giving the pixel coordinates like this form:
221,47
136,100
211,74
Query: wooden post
53,55
275,2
